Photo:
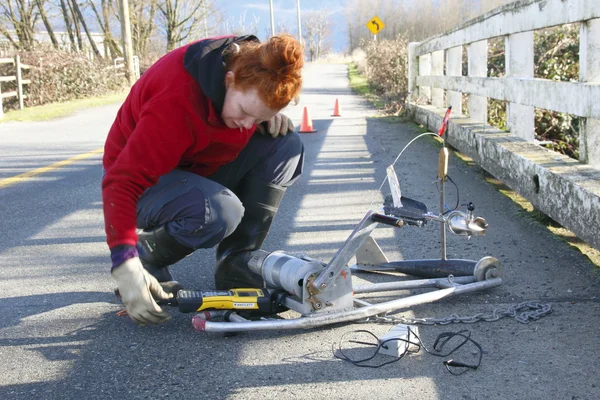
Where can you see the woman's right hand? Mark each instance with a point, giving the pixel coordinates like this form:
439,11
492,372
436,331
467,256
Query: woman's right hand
138,290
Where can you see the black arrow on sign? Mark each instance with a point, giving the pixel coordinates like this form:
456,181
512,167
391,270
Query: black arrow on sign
376,24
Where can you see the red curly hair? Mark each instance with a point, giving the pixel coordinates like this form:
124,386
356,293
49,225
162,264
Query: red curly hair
273,68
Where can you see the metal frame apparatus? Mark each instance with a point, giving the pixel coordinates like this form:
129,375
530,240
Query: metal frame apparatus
323,293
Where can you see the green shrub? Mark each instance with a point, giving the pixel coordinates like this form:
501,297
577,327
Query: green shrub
58,76
386,69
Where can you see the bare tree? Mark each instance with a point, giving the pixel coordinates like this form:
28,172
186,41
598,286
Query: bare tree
315,29
282,27
182,20
416,20
42,11
239,26
76,28
111,47
66,14
77,15
22,16
143,16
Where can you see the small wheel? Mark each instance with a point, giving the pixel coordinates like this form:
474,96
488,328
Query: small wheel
487,268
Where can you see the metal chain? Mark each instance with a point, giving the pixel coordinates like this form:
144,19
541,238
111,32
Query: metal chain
522,312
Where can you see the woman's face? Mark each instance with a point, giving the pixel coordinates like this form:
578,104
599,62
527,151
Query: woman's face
243,109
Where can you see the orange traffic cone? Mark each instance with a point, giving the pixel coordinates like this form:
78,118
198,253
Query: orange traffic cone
337,109
306,126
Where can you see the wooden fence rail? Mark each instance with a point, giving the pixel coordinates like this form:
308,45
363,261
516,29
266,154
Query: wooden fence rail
18,77
563,188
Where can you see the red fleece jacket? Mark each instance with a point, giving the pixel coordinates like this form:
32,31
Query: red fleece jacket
166,122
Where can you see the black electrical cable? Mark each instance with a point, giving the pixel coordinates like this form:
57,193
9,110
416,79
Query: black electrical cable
451,365
445,337
358,362
457,192
457,195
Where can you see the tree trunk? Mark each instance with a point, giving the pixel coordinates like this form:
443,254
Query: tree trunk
6,34
24,22
169,25
148,28
76,24
49,29
85,28
108,40
65,14
113,45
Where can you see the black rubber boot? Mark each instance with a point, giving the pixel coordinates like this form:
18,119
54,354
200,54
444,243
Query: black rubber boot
157,250
261,203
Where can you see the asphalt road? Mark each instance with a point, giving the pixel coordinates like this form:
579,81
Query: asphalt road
60,337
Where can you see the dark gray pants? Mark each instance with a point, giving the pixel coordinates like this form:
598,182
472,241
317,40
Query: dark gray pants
200,212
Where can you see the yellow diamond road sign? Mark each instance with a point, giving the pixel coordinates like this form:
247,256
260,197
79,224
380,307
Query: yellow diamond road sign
375,25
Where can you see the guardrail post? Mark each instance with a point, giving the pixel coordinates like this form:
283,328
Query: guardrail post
518,49
454,68
589,71
424,70
413,70
437,69
1,103
19,81
478,59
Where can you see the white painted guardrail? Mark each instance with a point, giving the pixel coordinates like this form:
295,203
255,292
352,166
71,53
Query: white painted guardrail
567,190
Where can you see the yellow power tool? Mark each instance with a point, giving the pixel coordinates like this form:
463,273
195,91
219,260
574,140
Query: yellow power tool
234,299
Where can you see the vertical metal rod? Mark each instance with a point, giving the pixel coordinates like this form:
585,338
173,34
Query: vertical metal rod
443,225
1,103
442,175
19,81
272,19
299,21
205,17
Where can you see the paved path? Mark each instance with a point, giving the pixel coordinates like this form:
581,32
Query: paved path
60,337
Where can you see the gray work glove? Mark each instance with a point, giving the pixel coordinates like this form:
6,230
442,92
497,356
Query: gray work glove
278,125
138,289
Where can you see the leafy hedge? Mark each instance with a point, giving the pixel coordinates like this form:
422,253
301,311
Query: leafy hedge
386,69
58,76
385,65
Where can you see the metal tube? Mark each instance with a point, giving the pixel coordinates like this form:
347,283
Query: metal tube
233,317
299,22
443,226
272,18
443,177
426,268
412,284
346,316
388,220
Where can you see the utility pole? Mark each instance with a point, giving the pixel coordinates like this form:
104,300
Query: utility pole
299,22
272,19
205,17
127,43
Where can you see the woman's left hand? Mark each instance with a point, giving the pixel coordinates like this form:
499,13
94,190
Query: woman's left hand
280,124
